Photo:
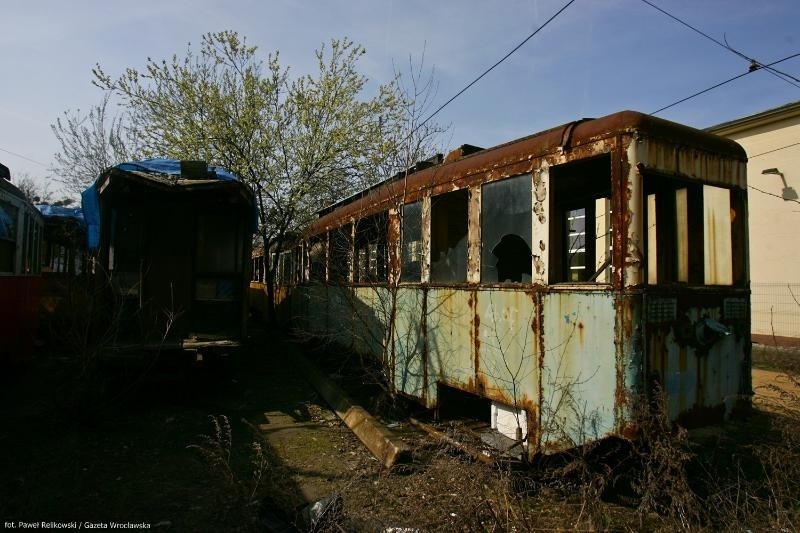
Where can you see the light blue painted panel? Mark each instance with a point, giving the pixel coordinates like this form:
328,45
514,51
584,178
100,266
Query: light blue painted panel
450,346
508,351
409,343
579,368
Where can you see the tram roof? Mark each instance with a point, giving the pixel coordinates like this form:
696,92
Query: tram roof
565,136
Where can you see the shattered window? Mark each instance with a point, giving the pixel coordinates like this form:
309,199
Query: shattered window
371,249
341,254
411,269
506,231
449,222
580,221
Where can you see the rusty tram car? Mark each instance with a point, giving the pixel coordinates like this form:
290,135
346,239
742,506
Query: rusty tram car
562,278
171,240
21,228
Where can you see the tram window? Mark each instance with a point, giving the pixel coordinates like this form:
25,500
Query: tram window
580,221
411,268
449,221
217,244
675,243
317,260
371,249
341,254
8,235
506,230
285,268
717,256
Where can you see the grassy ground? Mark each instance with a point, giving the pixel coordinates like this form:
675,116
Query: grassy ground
108,448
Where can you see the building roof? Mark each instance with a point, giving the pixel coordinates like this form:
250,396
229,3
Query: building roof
758,119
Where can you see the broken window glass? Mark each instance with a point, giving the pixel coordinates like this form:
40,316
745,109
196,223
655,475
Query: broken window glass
449,222
371,249
411,268
506,230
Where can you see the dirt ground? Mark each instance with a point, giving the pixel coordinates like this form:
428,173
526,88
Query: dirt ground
145,449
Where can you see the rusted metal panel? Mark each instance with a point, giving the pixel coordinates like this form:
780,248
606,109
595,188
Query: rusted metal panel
372,314
540,213
513,158
700,367
449,339
474,236
680,159
409,342
507,350
579,368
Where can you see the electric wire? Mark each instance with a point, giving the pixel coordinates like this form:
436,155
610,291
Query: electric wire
775,72
720,84
775,150
24,157
488,70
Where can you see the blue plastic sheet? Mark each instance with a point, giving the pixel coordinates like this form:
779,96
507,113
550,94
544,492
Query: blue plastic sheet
90,198
90,201
61,211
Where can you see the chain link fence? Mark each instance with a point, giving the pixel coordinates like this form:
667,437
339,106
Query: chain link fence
775,309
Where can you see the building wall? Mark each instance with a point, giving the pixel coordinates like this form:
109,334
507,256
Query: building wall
772,141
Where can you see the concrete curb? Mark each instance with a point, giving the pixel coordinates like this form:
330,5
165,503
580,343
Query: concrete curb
378,439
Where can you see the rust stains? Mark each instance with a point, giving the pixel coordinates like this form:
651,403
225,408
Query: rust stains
515,158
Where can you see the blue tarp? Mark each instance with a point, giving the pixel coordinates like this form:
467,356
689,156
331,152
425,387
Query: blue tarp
90,201
172,167
61,211
90,198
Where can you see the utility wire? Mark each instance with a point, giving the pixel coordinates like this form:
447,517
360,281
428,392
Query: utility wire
775,150
488,70
753,62
25,158
720,84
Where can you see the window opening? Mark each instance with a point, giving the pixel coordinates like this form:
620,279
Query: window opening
341,254
317,260
506,230
8,235
411,253
371,249
580,225
449,222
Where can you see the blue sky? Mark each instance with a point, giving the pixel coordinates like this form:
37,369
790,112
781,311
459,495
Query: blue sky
598,57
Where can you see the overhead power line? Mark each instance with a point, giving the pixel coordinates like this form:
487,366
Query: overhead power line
488,70
720,84
24,157
754,63
775,150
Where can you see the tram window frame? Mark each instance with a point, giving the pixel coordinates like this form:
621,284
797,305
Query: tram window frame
8,240
692,237
449,237
317,259
584,185
371,249
411,243
507,230
340,241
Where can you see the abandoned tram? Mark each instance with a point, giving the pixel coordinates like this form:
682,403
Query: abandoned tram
562,278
